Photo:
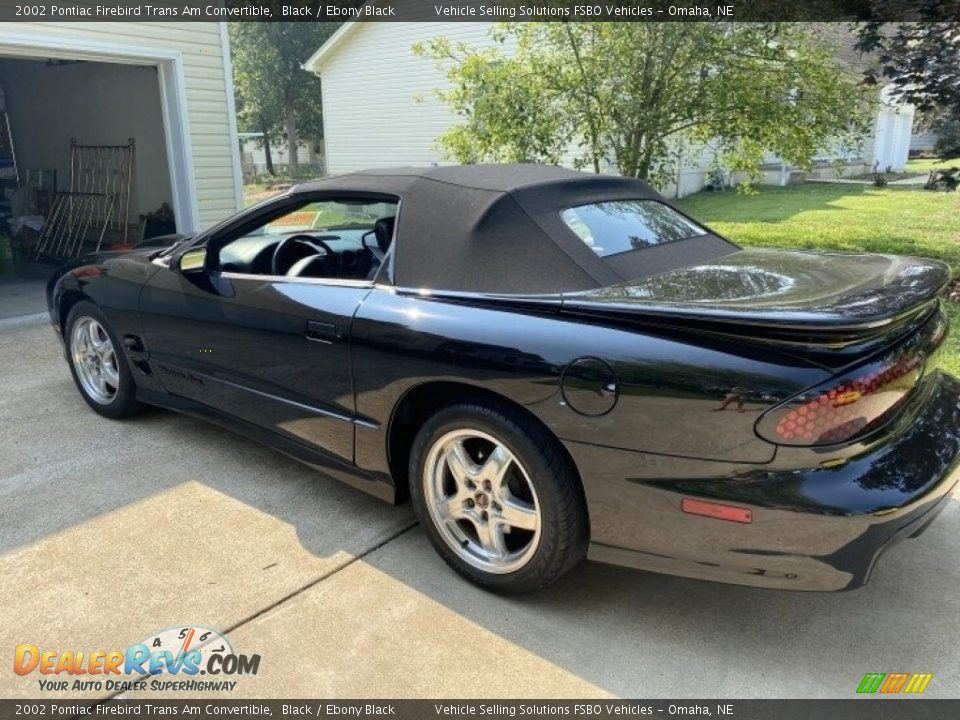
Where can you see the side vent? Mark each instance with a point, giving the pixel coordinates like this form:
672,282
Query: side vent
135,348
133,343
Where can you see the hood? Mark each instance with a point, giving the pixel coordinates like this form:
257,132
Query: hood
163,241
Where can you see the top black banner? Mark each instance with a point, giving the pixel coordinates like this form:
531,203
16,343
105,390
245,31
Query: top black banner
480,10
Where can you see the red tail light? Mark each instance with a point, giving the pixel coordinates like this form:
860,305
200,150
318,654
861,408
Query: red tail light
845,407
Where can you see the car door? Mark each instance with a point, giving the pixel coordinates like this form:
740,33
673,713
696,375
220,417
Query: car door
272,351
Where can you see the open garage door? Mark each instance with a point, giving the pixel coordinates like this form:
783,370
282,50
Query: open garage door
88,159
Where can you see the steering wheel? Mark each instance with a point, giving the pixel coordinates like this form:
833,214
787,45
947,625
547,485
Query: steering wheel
296,247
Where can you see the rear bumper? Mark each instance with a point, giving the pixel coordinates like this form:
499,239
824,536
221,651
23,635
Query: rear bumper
812,529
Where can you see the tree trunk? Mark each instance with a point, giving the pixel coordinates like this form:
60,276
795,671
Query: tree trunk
643,165
268,155
292,139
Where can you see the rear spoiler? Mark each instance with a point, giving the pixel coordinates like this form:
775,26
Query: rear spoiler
779,324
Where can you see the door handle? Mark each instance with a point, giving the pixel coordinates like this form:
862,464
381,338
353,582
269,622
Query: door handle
323,331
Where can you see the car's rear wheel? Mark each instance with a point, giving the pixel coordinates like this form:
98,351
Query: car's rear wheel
499,498
97,363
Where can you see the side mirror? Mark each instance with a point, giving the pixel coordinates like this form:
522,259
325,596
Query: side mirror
190,261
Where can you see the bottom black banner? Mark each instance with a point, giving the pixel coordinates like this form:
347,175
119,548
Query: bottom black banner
854,709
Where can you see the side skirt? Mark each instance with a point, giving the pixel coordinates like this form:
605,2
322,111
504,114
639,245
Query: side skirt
376,484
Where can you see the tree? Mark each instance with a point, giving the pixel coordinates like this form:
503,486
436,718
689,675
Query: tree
947,146
633,94
919,60
275,95
257,116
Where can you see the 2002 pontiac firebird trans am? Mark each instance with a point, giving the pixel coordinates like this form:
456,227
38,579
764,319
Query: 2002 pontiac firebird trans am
547,363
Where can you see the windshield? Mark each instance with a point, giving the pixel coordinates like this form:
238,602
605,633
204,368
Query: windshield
618,226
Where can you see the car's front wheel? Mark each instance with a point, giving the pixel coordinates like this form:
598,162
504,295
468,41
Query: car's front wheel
97,363
499,498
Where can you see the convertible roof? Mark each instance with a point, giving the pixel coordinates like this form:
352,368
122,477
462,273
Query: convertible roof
497,228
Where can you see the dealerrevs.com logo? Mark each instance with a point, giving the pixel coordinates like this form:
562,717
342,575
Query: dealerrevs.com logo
170,660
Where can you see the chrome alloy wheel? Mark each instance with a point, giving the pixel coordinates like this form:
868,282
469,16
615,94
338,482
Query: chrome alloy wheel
95,360
481,501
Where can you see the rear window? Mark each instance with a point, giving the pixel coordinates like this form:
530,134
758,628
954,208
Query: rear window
618,226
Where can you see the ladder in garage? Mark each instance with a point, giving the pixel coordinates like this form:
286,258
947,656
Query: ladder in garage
98,201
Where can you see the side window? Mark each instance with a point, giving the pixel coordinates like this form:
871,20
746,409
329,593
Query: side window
342,238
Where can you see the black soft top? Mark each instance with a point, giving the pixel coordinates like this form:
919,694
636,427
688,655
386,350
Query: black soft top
497,228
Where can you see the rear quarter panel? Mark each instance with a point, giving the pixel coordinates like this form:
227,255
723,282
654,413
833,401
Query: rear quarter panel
671,387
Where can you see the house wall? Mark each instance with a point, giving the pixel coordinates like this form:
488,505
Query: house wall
369,85
924,141
209,108
891,138
98,104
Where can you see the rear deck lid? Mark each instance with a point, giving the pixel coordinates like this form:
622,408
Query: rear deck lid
779,290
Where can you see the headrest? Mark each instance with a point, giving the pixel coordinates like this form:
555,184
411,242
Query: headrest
383,231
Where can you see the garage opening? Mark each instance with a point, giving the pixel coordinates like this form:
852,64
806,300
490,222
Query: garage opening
83,164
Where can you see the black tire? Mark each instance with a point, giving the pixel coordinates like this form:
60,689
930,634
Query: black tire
564,530
124,402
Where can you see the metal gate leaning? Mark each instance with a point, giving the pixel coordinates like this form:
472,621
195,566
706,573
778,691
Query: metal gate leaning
98,201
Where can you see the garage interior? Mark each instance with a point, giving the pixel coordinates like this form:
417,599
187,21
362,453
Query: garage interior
83,164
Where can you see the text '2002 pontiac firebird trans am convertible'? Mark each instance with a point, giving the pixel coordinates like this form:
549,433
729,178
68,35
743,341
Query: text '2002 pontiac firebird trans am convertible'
548,364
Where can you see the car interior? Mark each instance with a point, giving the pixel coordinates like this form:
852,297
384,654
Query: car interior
343,238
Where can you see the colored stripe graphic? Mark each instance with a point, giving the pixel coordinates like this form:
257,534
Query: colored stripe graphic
871,682
918,682
892,683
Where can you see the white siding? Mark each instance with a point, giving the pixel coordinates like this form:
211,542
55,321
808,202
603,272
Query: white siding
369,85
892,132
205,90
923,141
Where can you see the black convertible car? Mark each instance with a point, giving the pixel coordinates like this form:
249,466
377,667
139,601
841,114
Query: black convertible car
550,364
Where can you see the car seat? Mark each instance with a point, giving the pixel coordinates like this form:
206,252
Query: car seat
383,232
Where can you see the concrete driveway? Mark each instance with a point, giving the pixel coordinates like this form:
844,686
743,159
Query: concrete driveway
22,288
113,530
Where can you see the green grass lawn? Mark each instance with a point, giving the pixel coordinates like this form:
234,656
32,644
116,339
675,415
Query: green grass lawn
821,216
925,165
